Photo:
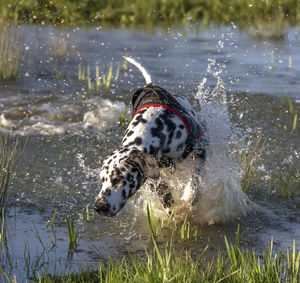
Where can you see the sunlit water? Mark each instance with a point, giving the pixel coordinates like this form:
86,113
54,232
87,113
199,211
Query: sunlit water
233,80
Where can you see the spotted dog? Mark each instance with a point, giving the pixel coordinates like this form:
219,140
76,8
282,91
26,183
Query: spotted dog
164,129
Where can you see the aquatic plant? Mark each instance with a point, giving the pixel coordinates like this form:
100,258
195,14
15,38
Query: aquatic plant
286,101
123,118
2,231
286,185
231,265
250,160
10,37
89,217
81,73
165,264
152,220
8,157
73,236
103,79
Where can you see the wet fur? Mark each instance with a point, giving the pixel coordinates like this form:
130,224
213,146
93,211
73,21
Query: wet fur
155,138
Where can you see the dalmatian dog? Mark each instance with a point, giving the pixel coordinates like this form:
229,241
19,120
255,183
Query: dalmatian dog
164,130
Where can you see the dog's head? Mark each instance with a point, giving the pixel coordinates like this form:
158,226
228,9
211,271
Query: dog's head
121,177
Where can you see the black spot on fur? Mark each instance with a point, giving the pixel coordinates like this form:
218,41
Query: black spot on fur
135,151
129,177
142,111
167,150
138,140
124,194
178,134
130,133
179,147
123,150
171,126
139,119
157,132
123,158
181,126
108,192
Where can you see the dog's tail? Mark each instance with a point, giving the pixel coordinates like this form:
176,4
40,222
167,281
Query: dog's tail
146,75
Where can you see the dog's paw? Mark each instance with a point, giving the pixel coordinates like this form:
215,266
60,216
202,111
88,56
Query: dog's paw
181,211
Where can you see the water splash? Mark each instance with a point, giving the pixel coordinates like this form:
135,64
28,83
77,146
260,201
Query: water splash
221,196
216,195
61,117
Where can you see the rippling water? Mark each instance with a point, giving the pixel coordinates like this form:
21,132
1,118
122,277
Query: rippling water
234,81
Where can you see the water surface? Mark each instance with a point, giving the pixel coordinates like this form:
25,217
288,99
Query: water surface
233,79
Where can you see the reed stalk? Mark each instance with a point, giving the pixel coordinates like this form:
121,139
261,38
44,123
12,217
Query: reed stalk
8,158
10,37
98,78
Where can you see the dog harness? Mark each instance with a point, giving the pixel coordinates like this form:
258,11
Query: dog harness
155,96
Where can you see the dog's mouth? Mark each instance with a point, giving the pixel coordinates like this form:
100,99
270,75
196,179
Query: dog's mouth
103,208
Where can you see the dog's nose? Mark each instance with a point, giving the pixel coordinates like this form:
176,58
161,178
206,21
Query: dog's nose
102,207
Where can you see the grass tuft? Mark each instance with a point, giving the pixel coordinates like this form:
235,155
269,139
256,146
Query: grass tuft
73,236
232,265
10,37
250,160
105,79
286,185
8,158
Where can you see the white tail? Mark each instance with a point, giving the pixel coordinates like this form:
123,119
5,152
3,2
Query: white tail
146,75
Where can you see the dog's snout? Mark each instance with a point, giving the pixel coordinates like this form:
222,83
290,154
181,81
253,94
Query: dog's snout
102,207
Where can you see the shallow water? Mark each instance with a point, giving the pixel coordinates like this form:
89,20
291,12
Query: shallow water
234,80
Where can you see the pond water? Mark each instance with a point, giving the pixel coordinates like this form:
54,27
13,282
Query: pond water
233,79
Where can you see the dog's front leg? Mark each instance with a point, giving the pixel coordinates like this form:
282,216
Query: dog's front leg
164,193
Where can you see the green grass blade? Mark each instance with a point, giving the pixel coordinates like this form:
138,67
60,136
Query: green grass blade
295,122
53,218
291,106
151,220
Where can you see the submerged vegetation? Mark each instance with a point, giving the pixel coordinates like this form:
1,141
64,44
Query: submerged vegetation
152,13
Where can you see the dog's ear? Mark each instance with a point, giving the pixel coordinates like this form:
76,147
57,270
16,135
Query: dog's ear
146,163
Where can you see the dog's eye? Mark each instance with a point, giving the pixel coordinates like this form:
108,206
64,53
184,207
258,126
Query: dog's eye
116,181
